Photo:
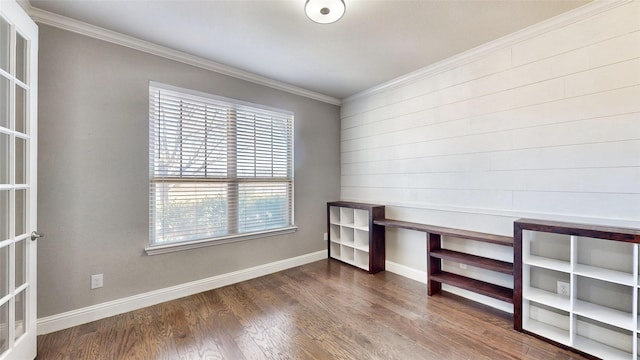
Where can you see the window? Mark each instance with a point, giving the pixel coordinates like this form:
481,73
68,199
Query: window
220,169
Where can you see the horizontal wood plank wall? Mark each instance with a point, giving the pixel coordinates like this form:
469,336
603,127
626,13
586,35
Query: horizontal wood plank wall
546,127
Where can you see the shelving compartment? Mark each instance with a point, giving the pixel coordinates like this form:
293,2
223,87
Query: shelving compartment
637,300
547,250
361,240
603,340
547,321
361,219
361,259
605,302
335,250
334,215
605,260
346,216
347,254
346,236
540,285
334,233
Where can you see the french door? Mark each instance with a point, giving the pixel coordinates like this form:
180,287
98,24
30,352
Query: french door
18,160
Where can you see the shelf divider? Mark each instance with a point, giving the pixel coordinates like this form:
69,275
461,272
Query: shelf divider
547,263
477,286
548,298
621,319
551,332
613,276
600,350
474,260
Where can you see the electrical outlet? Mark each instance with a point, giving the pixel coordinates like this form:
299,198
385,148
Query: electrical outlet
96,281
325,236
563,288
463,266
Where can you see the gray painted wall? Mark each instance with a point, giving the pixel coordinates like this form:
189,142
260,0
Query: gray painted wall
93,173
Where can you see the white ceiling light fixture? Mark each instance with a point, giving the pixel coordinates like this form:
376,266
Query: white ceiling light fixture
324,11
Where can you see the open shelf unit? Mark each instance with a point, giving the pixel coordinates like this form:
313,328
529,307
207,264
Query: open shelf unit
353,237
436,254
595,311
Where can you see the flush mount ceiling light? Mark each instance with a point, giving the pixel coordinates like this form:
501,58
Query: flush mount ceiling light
324,11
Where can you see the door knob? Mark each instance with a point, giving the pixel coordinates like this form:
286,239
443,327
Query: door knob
36,235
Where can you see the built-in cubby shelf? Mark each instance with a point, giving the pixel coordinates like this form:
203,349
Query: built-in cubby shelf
353,237
577,285
436,254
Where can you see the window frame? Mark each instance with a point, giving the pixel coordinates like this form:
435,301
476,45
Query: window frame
154,247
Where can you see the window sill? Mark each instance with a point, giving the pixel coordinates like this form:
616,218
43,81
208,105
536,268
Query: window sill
167,248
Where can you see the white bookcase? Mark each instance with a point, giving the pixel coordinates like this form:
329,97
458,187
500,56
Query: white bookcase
353,238
596,312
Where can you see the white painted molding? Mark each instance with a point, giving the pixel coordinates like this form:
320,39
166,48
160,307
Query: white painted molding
79,27
559,21
421,276
402,270
485,300
65,23
100,311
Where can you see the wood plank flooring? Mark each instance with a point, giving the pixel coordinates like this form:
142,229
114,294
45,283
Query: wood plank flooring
323,310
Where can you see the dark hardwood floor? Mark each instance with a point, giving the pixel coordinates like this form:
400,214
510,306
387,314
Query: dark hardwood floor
323,310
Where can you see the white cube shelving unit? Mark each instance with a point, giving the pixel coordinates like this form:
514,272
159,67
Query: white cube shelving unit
599,314
353,238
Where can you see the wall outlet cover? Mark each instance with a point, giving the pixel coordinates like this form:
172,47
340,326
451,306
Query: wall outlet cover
97,281
563,288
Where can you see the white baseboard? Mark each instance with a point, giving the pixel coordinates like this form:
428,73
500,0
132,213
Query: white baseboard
100,311
406,271
485,300
421,276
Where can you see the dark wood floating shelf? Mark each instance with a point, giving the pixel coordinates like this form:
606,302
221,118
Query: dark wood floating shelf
477,286
445,231
474,260
435,254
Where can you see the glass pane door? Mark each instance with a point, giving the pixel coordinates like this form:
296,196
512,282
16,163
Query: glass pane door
18,57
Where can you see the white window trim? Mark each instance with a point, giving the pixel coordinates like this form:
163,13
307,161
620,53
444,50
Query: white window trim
156,249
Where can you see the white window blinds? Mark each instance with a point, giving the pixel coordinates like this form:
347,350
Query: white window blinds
218,167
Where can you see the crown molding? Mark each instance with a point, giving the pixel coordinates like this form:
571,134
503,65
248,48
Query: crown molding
559,21
79,27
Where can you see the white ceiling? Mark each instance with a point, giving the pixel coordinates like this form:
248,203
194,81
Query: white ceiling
376,40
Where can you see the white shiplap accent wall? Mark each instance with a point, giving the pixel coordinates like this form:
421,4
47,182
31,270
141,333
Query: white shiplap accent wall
546,126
